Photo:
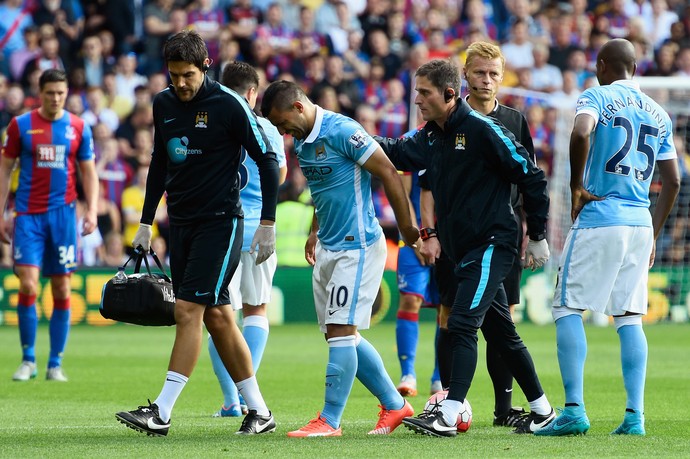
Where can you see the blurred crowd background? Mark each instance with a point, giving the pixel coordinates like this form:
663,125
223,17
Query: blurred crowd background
357,57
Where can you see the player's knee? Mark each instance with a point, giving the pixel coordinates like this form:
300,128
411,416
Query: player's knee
409,303
622,321
458,326
563,311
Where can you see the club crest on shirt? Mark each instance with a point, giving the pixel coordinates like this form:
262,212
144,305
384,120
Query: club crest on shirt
459,141
69,133
201,120
320,152
358,138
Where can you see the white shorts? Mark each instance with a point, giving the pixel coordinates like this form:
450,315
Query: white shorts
605,270
346,284
252,284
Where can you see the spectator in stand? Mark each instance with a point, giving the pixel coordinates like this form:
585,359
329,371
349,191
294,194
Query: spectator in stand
618,22
326,16
143,145
207,19
379,46
67,18
19,58
664,61
113,172
392,115
577,63
132,205
679,35
355,61
401,37
337,36
262,57
307,26
48,58
92,61
229,51
141,117
126,76
638,8
328,99
348,94
562,45
374,17
118,103
157,83
13,20
243,19
683,63
114,249
108,214
278,35
157,28
366,116
178,22
541,138
13,106
521,10
89,246
125,20
518,50
545,77
438,48
75,104
657,26
568,95
476,18
97,112
108,44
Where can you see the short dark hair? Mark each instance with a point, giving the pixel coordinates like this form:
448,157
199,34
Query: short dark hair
442,74
281,95
186,46
51,76
240,76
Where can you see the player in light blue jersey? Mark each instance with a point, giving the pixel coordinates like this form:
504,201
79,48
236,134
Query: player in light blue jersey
346,247
250,287
618,136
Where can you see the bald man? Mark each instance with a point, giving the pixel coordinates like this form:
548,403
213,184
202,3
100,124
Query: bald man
611,244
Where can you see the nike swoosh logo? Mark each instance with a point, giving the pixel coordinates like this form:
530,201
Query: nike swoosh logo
168,120
330,313
509,390
431,142
201,294
261,427
442,427
533,426
463,265
152,425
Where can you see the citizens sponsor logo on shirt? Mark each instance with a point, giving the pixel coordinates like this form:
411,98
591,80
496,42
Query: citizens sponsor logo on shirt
178,151
50,156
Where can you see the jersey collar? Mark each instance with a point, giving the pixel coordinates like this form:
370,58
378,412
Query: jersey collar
630,83
318,120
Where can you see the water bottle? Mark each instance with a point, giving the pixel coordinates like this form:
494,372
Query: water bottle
120,277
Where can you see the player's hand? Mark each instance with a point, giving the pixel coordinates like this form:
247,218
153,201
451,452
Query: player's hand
537,254
418,253
310,248
143,237
265,238
90,222
5,229
580,197
652,256
410,236
431,250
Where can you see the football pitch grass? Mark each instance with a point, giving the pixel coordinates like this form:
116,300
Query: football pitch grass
117,368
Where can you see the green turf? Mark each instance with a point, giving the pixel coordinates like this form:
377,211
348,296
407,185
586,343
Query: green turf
118,368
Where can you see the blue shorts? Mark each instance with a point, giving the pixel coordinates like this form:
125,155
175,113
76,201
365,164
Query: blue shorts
47,240
415,278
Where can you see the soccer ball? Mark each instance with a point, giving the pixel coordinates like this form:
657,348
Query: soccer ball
465,416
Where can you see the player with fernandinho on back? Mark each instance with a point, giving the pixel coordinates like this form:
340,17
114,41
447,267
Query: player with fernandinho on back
619,135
